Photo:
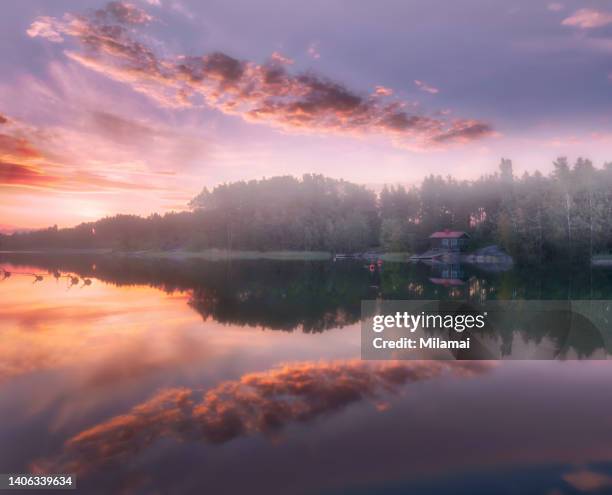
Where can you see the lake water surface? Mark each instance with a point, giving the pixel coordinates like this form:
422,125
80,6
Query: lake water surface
189,377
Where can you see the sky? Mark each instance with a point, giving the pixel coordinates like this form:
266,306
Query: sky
134,107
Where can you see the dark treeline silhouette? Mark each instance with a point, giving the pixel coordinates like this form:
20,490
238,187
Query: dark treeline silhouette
537,217
281,213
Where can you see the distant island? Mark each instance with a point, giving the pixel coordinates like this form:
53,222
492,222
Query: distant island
564,215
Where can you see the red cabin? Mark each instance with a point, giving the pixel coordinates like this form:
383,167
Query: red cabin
449,240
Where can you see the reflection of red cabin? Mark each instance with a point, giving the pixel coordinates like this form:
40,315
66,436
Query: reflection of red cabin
449,240
447,282
447,274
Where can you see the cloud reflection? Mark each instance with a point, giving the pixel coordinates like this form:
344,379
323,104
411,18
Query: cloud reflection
261,402
586,480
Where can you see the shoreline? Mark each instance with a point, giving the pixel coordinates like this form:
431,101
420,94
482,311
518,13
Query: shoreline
208,254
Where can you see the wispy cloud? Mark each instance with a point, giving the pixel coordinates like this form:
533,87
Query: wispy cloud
29,158
43,27
588,19
280,58
423,86
107,42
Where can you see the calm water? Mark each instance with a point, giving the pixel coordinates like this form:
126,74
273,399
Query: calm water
245,377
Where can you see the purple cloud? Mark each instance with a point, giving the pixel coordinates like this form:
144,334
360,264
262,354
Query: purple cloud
263,93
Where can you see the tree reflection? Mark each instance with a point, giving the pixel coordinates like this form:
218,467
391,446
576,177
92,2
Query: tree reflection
314,296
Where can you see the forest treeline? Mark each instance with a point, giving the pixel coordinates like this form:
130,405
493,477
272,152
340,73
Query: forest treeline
564,214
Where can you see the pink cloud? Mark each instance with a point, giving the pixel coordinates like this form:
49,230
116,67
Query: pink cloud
23,163
262,93
588,19
44,27
16,147
280,58
18,174
425,87
383,91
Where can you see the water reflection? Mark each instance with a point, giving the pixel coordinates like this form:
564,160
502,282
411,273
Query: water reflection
162,377
318,296
262,402
312,296
319,285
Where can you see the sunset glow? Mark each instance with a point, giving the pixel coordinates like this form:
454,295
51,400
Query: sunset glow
134,107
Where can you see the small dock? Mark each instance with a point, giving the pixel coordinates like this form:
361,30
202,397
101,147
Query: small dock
367,256
431,254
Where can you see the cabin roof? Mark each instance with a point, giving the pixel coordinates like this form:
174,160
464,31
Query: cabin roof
448,234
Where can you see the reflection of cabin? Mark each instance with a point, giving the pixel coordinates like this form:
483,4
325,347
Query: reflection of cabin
447,274
449,240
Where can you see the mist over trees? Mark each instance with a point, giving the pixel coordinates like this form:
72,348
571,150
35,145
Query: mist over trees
562,215
534,217
314,213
